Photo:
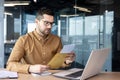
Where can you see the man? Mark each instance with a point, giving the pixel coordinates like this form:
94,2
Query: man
34,50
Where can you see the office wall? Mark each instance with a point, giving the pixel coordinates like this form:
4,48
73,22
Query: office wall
1,33
116,37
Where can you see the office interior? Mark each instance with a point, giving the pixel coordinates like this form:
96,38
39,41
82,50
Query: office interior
89,24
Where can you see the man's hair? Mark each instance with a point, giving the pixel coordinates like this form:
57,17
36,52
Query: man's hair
42,11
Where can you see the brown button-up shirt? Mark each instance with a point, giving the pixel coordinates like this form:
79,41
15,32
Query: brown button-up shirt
33,49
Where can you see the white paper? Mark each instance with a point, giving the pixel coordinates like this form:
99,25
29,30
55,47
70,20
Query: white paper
45,73
68,48
8,74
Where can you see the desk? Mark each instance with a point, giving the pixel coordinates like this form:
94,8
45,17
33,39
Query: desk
107,76
101,76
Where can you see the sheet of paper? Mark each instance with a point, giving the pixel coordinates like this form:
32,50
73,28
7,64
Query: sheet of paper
45,73
68,48
8,74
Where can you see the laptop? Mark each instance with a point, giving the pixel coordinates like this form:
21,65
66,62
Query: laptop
93,66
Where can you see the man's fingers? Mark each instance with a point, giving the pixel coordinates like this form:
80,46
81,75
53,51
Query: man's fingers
68,61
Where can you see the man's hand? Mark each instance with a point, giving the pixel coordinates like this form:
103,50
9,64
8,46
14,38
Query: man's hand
38,68
69,58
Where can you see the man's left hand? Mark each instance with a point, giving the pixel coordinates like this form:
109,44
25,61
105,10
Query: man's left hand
70,58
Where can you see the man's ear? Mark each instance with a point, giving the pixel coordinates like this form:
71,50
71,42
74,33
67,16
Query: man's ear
36,21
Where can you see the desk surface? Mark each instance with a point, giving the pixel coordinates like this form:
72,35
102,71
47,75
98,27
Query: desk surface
101,76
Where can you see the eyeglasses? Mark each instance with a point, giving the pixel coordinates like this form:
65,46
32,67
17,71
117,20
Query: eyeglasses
47,23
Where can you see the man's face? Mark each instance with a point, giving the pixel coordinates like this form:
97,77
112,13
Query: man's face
44,25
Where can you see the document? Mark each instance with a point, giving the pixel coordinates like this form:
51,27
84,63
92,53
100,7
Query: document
59,58
68,48
5,74
57,61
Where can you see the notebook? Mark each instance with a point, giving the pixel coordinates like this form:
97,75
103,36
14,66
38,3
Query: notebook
5,74
93,67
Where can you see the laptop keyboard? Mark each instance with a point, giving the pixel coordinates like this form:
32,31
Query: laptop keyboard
76,74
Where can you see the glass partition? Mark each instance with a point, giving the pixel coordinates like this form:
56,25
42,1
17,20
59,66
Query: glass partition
87,32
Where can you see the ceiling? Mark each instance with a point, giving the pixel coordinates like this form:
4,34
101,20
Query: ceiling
63,6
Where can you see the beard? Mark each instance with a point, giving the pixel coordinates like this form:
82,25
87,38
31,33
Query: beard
45,32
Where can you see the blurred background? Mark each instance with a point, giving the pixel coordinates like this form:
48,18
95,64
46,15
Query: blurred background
89,24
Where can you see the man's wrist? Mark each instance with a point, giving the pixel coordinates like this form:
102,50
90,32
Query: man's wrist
29,69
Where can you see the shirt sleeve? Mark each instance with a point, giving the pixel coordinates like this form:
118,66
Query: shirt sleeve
16,55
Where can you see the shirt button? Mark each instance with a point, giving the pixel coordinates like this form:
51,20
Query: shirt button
44,62
44,53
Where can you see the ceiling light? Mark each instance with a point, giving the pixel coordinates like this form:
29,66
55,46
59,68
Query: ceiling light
82,9
15,3
8,13
69,15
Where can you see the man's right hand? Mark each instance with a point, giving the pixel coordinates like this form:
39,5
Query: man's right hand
38,68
